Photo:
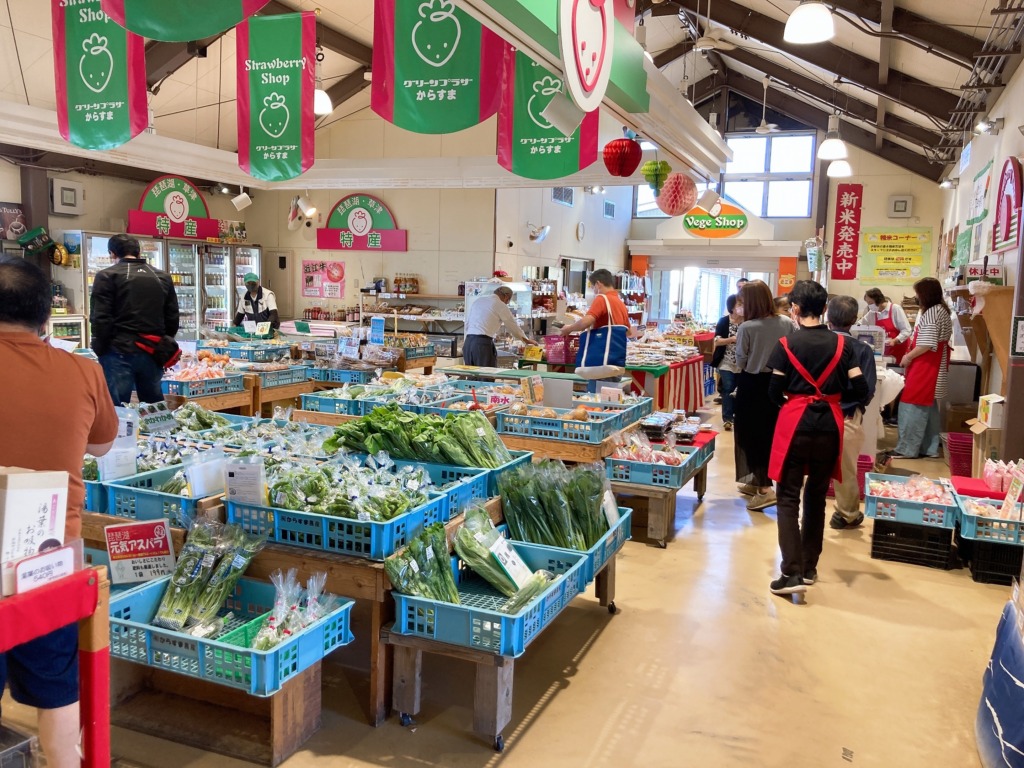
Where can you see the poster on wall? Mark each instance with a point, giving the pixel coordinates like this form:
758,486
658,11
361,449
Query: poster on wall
529,145
962,255
323,279
1007,207
275,58
12,221
100,77
978,210
180,21
436,69
846,231
896,256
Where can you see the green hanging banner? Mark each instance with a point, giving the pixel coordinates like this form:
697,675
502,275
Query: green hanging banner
528,144
436,69
276,77
100,77
179,21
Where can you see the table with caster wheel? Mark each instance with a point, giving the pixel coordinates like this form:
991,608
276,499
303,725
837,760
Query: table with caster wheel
492,693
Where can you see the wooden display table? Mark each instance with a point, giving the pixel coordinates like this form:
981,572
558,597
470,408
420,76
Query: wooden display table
327,419
264,398
244,402
426,363
563,450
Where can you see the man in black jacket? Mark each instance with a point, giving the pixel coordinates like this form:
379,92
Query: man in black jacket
130,300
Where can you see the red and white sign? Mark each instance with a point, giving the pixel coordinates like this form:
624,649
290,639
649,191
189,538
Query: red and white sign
846,231
40,570
1008,202
586,39
139,551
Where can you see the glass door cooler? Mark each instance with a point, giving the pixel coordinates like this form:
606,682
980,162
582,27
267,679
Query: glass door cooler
69,328
217,289
184,269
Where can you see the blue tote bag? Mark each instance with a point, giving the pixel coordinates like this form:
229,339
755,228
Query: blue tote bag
602,352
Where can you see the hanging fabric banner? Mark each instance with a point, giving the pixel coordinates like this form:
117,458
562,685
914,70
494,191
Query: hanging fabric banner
276,62
100,75
180,21
436,69
528,144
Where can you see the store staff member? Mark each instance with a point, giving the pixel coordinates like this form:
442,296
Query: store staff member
258,305
483,321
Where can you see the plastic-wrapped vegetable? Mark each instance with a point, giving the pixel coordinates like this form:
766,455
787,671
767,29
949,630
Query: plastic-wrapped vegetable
585,489
423,568
242,548
177,485
473,542
536,507
90,468
294,609
539,581
195,564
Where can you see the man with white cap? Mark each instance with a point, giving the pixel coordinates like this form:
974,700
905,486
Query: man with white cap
258,304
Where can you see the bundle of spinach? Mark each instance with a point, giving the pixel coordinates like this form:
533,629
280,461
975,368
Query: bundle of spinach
424,567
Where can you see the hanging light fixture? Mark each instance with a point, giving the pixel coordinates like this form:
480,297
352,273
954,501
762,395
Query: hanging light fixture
810,23
839,169
833,147
322,105
305,205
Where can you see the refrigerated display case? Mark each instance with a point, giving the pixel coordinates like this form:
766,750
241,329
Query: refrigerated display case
216,290
183,259
97,256
67,328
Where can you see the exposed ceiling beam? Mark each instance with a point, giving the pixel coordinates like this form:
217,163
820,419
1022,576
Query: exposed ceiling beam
819,91
669,55
348,86
950,43
698,30
337,41
901,88
884,54
855,135
710,86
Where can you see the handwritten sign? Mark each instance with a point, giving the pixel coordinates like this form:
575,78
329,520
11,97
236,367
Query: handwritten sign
323,279
498,399
156,417
139,551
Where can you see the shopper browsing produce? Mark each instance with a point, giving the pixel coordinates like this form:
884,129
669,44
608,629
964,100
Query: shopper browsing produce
755,412
813,371
133,307
483,322
842,313
724,358
258,305
892,319
39,384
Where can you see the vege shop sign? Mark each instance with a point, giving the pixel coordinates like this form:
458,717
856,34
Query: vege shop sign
172,207
361,223
723,220
181,20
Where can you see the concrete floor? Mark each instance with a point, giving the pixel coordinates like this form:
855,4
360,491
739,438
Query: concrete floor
701,667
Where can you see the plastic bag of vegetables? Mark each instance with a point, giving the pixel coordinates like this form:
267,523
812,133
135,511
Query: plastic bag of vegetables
241,548
196,562
424,567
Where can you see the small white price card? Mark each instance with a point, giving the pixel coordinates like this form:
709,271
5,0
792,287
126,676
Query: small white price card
33,572
139,551
510,562
249,326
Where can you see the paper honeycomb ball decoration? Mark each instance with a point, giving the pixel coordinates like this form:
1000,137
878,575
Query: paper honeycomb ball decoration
655,172
622,156
678,194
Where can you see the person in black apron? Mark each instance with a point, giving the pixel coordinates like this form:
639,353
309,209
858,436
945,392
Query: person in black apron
812,371
258,305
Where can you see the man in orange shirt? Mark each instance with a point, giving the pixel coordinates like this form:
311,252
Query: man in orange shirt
54,407
603,283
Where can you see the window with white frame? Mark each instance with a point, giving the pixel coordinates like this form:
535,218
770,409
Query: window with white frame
771,176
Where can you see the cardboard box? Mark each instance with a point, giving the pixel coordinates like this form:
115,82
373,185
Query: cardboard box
991,409
987,445
33,508
957,416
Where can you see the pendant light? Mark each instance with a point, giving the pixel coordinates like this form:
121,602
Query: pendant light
833,147
810,23
839,169
322,105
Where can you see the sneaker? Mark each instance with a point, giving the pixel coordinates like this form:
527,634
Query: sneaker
761,501
748,490
810,576
727,426
839,522
787,585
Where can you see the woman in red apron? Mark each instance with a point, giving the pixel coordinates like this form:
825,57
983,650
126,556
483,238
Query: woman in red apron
892,319
813,371
926,369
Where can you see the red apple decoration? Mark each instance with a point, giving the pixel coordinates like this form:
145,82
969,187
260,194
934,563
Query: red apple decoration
678,194
622,156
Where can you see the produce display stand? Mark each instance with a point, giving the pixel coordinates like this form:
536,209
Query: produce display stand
83,597
511,374
561,450
327,419
243,401
264,398
675,386
417,363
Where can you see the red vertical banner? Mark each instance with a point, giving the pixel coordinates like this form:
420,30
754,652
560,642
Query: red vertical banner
846,231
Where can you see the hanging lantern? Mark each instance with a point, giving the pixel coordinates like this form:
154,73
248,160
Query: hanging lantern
655,172
622,156
678,195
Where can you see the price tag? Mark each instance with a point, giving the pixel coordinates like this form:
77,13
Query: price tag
139,551
301,326
41,569
1013,495
533,353
155,418
118,462
510,561
249,326
611,395
610,506
377,330
262,329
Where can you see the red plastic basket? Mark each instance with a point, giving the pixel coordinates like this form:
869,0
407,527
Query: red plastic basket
864,465
961,453
561,349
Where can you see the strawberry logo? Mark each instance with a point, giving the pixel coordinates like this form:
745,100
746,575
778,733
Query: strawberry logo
544,91
436,37
275,115
176,207
585,42
97,63
359,221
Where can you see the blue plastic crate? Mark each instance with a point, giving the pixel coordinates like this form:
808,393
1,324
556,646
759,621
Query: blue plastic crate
478,621
444,407
427,350
519,458
644,473
366,406
593,431
343,375
295,374
979,528
226,660
903,511
323,404
205,387
599,554
259,353
465,485
325,533
95,496
136,498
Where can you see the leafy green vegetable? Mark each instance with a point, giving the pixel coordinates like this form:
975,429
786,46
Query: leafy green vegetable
539,581
424,567
195,564
242,548
473,543
90,468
